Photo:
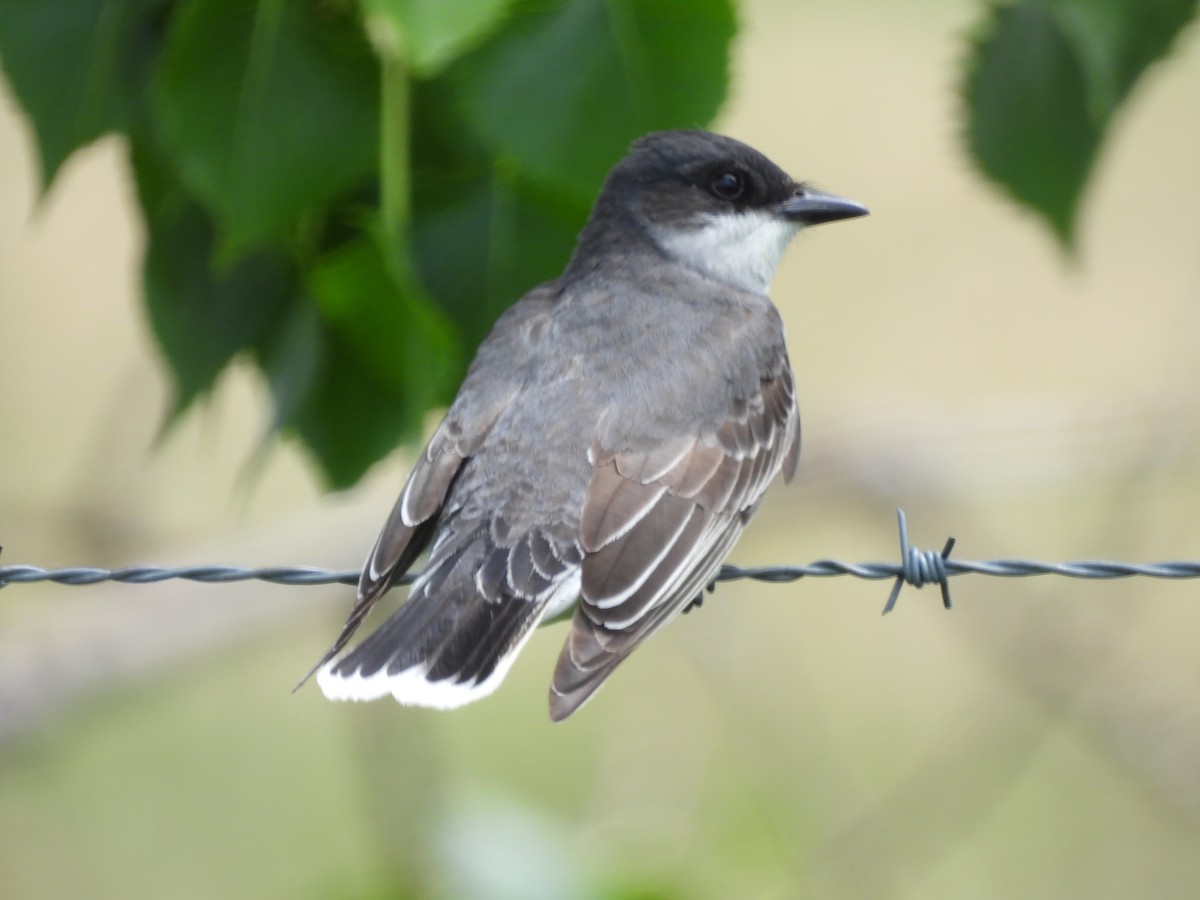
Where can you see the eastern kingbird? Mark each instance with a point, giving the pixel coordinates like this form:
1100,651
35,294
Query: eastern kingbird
614,434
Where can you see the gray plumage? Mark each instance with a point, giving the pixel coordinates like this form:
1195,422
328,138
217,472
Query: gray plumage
613,435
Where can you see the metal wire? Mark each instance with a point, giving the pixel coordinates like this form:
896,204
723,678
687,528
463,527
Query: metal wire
916,568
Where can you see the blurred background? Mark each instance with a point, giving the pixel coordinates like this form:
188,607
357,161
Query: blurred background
1042,739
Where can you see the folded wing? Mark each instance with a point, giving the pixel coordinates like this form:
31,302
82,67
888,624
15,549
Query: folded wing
656,526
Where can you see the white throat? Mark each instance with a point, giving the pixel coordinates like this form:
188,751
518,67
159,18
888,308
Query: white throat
741,249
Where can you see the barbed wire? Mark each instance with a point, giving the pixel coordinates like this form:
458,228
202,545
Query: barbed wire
916,568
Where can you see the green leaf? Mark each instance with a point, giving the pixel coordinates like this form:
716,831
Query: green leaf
482,233
480,247
1029,125
428,34
79,67
269,109
292,358
398,336
201,317
351,419
346,415
1043,82
564,87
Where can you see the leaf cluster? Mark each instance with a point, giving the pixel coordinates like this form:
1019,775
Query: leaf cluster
348,194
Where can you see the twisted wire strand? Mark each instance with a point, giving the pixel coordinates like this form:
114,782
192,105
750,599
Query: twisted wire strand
916,568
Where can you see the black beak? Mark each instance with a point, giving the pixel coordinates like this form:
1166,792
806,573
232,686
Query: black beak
811,207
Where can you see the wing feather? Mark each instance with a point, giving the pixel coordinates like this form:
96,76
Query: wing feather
646,468
614,505
719,488
620,567
690,476
681,556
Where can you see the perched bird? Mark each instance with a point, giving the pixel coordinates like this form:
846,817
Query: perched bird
613,436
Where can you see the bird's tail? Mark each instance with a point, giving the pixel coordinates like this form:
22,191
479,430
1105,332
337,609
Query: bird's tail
436,651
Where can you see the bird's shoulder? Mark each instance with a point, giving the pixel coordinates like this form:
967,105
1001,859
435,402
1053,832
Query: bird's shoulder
500,366
516,335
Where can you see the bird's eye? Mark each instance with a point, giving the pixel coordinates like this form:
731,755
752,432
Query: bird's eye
728,185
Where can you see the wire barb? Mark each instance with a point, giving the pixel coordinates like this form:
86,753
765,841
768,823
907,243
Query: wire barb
919,568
